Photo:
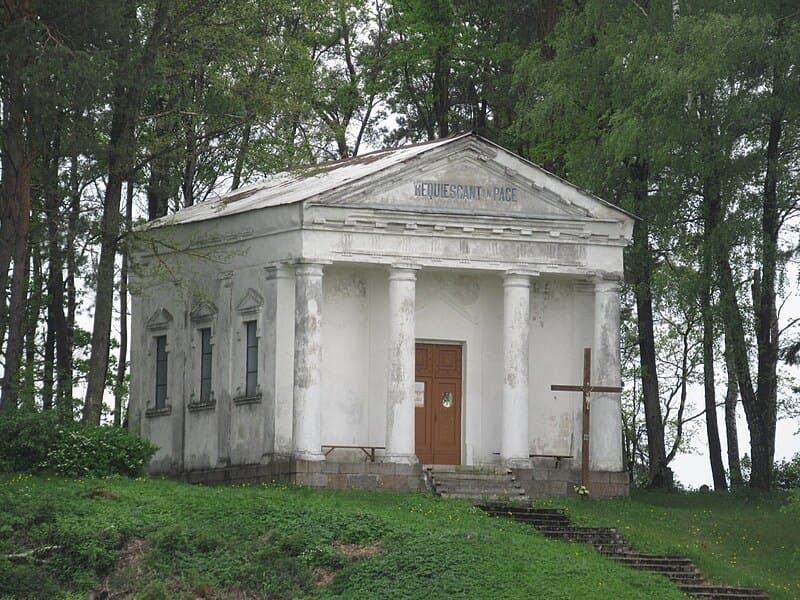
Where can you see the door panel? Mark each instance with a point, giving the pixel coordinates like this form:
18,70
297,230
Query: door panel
438,403
447,422
423,419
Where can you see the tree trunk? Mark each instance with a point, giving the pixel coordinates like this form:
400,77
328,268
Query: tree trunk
55,294
711,216
732,436
762,446
441,91
240,157
125,106
66,401
122,363
27,399
640,268
17,161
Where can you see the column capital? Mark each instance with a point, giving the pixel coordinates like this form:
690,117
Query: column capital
403,272
304,268
518,278
278,271
607,283
405,266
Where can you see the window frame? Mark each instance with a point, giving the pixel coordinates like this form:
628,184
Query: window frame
251,388
206,365
161,377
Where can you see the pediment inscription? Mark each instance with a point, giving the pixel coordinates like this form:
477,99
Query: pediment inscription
465,183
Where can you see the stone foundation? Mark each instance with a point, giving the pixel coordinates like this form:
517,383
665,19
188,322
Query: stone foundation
317,474
552,482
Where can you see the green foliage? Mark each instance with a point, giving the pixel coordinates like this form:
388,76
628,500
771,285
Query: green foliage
97,451
36,442
25,439
787,473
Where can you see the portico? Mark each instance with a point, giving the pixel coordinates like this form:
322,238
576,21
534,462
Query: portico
413,301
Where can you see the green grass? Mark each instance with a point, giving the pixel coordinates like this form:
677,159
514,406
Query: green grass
161,539
746,539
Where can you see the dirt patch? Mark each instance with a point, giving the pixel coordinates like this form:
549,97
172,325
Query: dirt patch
357,550
100,492
132,554
128,572
322,577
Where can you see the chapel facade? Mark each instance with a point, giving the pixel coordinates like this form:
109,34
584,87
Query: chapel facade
345,324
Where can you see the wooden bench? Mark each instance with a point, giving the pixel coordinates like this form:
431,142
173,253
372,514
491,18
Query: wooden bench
558,457
368,450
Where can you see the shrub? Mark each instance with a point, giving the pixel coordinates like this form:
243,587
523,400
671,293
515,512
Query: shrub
787,473
25,439
38,442
97,451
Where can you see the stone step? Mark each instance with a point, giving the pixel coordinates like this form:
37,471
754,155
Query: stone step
506,509
475,484
471,476
476,497
529,516
484,493
663,568
678,578
722,592
632,559
596,543
466,469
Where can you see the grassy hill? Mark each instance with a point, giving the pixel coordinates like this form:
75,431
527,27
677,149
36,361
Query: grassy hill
160,539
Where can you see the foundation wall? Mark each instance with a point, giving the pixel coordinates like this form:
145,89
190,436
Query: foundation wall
317,474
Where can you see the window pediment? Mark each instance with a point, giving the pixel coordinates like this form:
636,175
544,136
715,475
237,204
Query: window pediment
250,302
203,312
159,320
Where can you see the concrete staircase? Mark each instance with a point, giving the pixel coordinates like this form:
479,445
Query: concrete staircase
554,524
477,484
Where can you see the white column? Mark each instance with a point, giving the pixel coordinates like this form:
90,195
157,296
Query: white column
278,359
400,440
516,330
284,361
606,412
307,421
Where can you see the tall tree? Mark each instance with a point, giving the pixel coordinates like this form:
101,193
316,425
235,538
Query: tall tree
133,60
583,112
20,40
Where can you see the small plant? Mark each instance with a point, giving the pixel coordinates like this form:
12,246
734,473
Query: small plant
581,490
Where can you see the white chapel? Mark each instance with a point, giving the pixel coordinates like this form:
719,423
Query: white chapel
346,324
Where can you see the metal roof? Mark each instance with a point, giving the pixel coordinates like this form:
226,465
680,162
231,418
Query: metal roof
295,186
303,184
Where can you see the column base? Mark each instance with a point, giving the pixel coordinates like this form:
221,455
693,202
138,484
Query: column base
517,463
310,456
402,459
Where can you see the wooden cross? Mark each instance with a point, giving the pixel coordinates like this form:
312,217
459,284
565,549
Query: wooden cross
587,388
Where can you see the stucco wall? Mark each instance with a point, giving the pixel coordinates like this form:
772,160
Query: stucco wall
452,307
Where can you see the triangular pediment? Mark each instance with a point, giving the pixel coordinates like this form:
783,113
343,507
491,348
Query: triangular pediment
203,311
474,177
250,302
160,319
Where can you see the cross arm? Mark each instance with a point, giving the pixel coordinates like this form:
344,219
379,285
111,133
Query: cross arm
566,388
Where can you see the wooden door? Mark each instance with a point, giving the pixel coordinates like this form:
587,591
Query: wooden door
438,404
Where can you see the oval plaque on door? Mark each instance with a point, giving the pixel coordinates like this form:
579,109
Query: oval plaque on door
447,399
